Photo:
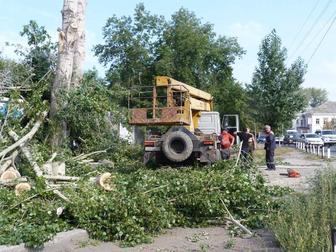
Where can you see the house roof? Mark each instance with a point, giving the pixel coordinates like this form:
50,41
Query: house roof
328,107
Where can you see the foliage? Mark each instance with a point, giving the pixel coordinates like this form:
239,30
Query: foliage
13,73
128,48
315,96
304,221
143,203
88,114
41,54
275,92
139,48
32,222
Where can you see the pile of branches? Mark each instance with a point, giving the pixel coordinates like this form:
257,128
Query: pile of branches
139,204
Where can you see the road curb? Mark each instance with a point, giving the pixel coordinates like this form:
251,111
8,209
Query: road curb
62,242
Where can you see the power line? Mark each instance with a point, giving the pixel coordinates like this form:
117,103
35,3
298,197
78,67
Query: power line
304,24
311,28
319,44
319,31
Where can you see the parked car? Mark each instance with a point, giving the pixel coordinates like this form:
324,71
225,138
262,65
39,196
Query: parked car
279,139
291,138
328,136
261,139
311,138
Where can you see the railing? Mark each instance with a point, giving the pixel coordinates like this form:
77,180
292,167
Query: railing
315,149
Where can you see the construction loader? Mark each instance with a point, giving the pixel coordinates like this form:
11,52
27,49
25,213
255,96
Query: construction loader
192,127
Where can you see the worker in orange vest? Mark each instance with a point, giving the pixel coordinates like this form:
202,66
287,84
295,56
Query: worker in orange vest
227,140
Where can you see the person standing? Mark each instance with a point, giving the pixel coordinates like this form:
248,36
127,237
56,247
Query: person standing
248,144
270,146
227,140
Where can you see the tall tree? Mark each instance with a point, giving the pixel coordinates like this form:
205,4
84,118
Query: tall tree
183,48
129,47
315,96
71,53
41,54
275,89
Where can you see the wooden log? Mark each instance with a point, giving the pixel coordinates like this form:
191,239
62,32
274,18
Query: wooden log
9,175
104,180
12,182
27,154
21,188
5,165
61,178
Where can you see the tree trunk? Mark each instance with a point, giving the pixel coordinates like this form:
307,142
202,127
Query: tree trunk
71,52
79,52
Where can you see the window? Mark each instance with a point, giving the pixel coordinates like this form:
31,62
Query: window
318,121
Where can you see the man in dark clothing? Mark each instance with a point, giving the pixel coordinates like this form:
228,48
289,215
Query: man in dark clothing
248,144
270,145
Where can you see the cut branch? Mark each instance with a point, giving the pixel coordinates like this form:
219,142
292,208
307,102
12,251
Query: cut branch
26,137
234,221
27,154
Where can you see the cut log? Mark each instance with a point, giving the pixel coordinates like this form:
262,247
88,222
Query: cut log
105,181
22,188
9,175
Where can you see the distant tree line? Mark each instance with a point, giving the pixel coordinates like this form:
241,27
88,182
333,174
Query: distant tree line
137,48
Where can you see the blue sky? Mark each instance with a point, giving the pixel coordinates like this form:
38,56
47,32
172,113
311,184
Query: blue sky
247,20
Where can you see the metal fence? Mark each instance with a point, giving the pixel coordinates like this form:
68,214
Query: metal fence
316,149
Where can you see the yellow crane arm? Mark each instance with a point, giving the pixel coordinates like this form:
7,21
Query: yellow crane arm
162,81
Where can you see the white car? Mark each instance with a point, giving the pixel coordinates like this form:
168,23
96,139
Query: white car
328,136
311,138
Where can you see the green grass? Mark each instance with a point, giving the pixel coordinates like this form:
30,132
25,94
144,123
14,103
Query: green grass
280,152
304,221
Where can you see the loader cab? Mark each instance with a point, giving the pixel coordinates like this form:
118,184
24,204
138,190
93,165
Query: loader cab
209,123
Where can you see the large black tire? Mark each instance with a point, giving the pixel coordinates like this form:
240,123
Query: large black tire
177,147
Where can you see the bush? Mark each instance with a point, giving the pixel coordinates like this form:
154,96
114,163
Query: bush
304,221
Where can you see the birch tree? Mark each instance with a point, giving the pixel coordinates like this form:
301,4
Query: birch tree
71,53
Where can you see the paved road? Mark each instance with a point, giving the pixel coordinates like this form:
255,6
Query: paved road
306,163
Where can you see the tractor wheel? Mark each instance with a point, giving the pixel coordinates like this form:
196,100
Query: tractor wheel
177,147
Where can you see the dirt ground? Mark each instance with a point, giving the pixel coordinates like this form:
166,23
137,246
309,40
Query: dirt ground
289,157
218,238
193,239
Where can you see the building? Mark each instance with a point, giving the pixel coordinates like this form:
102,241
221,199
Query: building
315,119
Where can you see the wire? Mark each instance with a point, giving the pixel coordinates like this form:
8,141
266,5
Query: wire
319,44
303,25
319,32
311,28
